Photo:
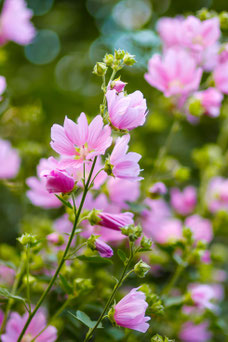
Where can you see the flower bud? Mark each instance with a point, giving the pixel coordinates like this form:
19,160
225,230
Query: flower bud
103,249
108,59
133,232
146,243
182,174
28,240
119,54
141,269
118,85
91,242
223,17
195,107
157,189
129,59
100,69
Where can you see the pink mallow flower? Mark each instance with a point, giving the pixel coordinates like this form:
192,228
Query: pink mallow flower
117,85
57,179
221,77
217,194
199,35
38,323
158,188
200,227
15,23
122,191
126,111
103,249
174,74
122,164
80,142
7,275
184,201
1,317
202,295
191,332
210,100
9,160
115,221
171,31
130,311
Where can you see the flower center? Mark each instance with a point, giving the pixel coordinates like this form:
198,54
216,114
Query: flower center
27,338
175,84
82,152
198,40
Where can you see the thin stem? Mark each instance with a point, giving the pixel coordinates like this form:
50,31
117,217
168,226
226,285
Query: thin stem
13,291
91,184
27,274
173,280
164,149
52,281
116,287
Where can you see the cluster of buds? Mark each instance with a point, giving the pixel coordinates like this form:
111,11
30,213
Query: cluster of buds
133,232
158,338
28,240
116,62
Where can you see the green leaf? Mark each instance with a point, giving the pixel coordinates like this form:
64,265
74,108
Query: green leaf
66,203
174,301
94,259
85,319
121,255
5,293
67,288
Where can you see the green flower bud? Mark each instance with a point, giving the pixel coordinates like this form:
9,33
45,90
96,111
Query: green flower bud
28,240
157,338
91,242
108,59
119,54
188,235
203,14
141,269
182,174
100,69
195,107
146,243
129,59
30,280
133,232
223,17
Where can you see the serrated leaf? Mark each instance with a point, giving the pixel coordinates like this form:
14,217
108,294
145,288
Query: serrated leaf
94,259
6,294
121,255
85,319
66,203
68,289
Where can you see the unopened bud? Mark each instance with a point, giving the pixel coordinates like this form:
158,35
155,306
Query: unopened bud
129,59
223,17
119,54
100,69
93,217
108,59
28,240
141,269
133,232
146,243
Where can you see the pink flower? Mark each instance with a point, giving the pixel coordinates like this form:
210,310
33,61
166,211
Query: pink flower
175,74
223,55
125,165
122,191
130,311
221,77
56,178
54,238
117,85
200,227
38,193
183,202
198,34
1,317
7,276
103,249
80,142
126,111
210,100
158,188
171,31
115,221
167,231
217,194
202,295
191,332
9,160
15,23
38,323
63,224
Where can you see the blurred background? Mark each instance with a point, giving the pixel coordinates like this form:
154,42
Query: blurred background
52,77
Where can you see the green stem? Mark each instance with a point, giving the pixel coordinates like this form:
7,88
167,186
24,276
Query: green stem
61,263
116,287
173,280
13,291
164,149
27,274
